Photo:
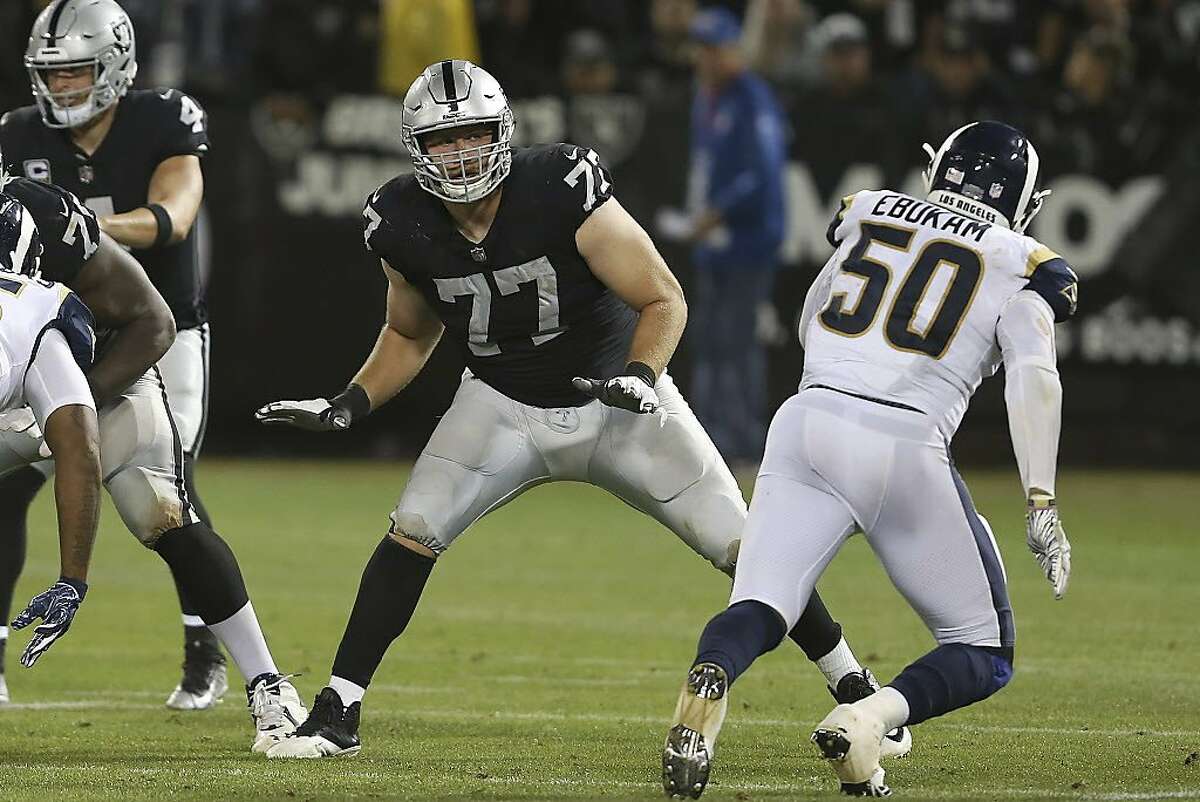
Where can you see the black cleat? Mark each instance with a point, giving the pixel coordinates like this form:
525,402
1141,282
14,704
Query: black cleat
204,679
851,688
331,730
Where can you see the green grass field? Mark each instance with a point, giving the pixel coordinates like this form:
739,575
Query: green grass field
544,660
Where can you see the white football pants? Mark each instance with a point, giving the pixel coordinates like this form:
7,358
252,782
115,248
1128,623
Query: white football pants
141,456
836,463
488,449
185,372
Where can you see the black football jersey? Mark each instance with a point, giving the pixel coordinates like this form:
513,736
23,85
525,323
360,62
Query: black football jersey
150,126
69,230
522,306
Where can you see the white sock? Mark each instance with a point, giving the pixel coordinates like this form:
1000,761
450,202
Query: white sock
192,620
242,637
888,705
838,663
349,691
3,633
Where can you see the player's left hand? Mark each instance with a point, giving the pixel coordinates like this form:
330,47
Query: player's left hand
56,607
626,392
1048,541
315,415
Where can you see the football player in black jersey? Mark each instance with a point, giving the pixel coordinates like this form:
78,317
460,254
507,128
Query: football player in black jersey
140,446
566,317
133,156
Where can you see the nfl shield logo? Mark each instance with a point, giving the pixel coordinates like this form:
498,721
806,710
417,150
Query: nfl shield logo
996,190
86,173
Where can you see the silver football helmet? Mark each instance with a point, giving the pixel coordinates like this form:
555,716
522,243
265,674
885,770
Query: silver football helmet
81,33
453,94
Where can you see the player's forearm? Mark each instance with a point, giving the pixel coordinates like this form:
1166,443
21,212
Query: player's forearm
1033,395
77,495
133,349
71,434
137,228
659,328
393,363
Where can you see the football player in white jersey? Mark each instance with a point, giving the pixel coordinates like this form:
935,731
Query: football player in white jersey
921,301
46,342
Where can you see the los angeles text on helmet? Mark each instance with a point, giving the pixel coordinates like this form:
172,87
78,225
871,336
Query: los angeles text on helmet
927,214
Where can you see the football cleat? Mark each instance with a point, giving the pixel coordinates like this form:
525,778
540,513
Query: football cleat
691,741
331,730
275,708
849,739
204,679
855,686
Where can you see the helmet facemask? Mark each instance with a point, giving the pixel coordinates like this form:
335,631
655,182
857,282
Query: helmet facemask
462,175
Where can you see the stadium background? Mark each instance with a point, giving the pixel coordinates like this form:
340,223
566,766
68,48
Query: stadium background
304,121
546,655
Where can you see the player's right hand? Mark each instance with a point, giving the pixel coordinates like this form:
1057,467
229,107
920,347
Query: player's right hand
314,415
1046,539
624,392
56,607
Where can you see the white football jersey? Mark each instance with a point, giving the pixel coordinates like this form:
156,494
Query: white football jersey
29,307
906,309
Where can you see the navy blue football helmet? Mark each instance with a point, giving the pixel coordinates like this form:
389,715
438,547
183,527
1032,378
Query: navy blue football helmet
987,170
20,243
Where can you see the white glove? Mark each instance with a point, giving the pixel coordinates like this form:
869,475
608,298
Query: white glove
1046,539
315,415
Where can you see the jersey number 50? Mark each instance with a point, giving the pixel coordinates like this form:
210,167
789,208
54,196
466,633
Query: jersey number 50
900,328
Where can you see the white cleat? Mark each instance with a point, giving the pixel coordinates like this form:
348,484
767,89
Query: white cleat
859,685
691,741
849,739
309,747
275,708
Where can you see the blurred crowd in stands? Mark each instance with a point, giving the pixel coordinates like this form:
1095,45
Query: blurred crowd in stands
1104,82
